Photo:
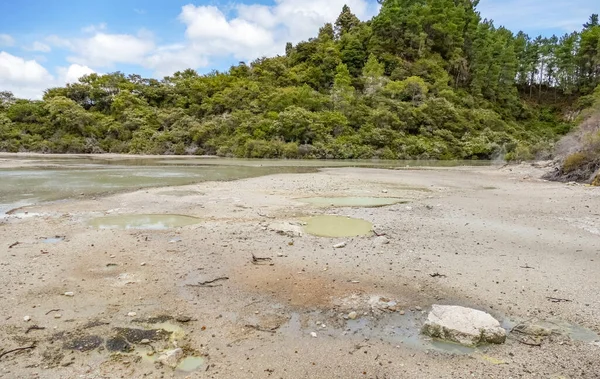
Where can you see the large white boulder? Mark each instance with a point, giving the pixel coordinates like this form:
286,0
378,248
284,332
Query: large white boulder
462,325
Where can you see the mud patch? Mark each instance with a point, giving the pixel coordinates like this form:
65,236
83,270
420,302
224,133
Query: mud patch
136,336
83,344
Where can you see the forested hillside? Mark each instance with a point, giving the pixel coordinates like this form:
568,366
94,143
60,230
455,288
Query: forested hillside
425,79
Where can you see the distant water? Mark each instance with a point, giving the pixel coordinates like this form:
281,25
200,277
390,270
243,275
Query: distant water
44,179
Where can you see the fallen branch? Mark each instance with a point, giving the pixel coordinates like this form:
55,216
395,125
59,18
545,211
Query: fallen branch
258,260
260,329
557,300
379,234
537,344
209,283
437,275
14,244
17,349
53,310
34,327
527,267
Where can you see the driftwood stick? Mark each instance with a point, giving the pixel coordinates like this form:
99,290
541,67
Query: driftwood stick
557,300
209,283
17,349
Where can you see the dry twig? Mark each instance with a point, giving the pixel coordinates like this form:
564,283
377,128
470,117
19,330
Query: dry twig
209,283
17,349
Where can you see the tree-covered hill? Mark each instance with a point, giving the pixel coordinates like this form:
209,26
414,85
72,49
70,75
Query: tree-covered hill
423,79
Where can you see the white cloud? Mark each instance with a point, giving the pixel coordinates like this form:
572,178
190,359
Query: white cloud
538,15
260,30
73,73
24,78
39,46
167,60
6,40
106,50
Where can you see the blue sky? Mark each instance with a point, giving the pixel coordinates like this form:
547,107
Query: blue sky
48,43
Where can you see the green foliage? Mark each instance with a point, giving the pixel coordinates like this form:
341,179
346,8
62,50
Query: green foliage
423,79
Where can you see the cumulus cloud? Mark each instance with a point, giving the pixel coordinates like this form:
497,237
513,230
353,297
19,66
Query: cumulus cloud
24,78
254,31
106,50
73,73
259,30
6,40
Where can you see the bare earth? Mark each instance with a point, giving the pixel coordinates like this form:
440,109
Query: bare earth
501,240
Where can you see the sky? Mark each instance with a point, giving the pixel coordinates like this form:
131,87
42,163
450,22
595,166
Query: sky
45,43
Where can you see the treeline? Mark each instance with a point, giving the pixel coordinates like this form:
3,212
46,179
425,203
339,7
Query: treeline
426,79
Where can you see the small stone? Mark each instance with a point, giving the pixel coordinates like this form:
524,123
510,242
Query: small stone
131,314
352,315
70,294
418,309
313,334
183,319
143,264
402,313
145,341
340,245
385,191
171,358
27,318
57,315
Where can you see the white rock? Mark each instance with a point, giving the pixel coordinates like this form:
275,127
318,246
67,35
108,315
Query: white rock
57,315
340,245
131,314
352,315
70,294
466,326
145,341
313,334
171,358
385,191
381,240
27,318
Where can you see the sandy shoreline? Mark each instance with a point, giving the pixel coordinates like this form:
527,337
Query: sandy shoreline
502,240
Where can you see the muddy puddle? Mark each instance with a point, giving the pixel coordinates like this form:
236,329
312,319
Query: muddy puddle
364,202
394,328
53,240
147,222
337,226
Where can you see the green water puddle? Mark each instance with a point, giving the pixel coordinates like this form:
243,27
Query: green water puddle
337,226
150,222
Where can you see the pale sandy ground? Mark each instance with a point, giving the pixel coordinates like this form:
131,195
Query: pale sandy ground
504,240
